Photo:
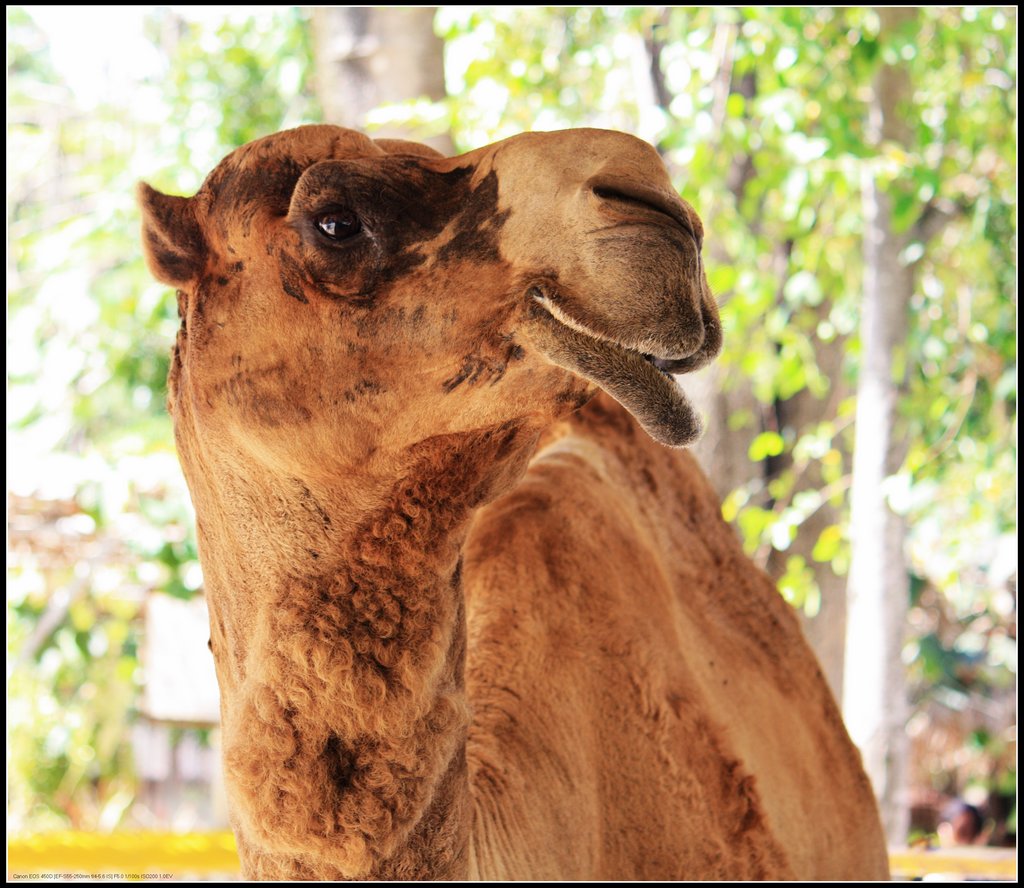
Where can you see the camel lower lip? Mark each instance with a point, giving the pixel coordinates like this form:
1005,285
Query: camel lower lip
665,365
648,391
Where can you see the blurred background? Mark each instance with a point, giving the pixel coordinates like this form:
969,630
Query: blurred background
856,173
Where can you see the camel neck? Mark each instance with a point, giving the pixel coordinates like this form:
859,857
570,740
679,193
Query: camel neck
343,704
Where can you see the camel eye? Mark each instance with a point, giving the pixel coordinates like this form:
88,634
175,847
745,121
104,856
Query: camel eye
337,224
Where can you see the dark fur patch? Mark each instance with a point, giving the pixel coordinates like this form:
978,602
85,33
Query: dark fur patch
473,367
362,389
477,227
169,263
288,285
292,277
403,205
312,505
477,368
264,395
649,479
340,763
576,397
242,189
202,295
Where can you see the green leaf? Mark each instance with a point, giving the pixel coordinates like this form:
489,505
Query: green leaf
721,279
803,288
827,546
798,586
766,444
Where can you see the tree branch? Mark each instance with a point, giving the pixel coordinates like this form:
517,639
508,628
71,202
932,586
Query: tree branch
655,46
935,216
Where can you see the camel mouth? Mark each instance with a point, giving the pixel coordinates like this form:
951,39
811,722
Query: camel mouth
643,383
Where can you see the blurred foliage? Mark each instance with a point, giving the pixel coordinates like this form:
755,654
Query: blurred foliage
99,514
760,114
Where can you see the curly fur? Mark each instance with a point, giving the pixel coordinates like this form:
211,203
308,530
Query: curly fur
354,726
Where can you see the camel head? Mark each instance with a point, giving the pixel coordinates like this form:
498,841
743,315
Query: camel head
339,295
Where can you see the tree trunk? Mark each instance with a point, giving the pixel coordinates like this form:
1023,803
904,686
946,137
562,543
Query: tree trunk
367,56
874,699
826,630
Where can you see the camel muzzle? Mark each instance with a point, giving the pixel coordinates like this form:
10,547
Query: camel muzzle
648,391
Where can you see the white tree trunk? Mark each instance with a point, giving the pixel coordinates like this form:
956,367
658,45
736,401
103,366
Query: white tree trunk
367,56
874,698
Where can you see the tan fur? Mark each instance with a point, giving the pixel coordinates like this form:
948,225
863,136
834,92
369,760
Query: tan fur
463,624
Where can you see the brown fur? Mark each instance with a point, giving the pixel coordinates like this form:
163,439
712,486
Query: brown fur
445,650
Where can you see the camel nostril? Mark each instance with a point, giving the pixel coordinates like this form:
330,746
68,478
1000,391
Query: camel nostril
649,200
614,194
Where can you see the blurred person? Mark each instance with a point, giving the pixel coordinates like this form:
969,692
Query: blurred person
961,824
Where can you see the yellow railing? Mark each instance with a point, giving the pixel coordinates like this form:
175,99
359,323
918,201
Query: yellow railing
135,856
989,863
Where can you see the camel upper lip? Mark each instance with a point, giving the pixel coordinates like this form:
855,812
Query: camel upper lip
668,366
652,198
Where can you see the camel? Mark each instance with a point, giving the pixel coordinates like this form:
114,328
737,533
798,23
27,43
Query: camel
474,610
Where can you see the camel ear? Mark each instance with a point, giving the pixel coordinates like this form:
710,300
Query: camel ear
172,240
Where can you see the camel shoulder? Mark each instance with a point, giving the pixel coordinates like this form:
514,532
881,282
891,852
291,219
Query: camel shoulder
607,522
